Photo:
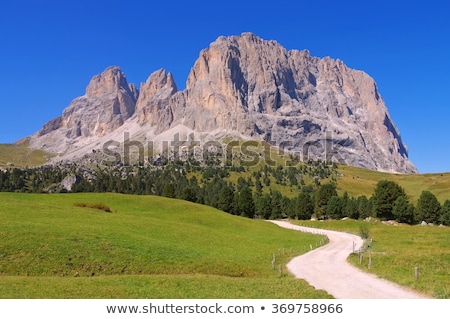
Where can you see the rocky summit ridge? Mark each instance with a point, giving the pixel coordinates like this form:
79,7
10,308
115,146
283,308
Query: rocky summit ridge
241,86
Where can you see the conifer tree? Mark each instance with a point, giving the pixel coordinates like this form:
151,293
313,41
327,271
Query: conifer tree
428,208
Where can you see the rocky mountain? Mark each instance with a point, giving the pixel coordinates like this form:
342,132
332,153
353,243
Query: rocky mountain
109,101
246,87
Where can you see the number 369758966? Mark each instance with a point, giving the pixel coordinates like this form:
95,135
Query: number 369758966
307,308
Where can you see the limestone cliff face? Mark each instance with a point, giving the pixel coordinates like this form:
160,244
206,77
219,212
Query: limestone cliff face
155,104
317,107
109,101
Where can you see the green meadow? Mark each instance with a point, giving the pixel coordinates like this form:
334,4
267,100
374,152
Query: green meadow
396,250
70,246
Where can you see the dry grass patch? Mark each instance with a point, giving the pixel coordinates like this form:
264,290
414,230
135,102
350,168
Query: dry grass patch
99,206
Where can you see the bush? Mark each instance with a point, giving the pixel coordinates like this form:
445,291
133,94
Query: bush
364,232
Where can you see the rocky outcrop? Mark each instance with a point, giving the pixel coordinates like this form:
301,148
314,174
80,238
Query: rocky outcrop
109,101
155,104
253,88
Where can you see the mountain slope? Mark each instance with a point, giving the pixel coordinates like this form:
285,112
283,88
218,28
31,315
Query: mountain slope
246,87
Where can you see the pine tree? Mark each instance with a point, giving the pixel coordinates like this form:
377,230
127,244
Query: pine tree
334,207
403,211
225,200
304,206
351,209
364,207
445,213
246,204
428,208
258,186
276,204
262,205
386,192
286,207
323,195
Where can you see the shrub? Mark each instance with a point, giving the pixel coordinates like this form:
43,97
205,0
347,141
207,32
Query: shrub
364,232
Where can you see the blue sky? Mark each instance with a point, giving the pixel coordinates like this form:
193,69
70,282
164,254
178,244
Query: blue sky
51,49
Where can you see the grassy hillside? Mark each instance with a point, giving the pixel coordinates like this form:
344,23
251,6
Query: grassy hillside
359,181
68,246
21,155
397,250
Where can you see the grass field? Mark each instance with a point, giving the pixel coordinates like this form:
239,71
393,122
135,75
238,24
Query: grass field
69,246
397,250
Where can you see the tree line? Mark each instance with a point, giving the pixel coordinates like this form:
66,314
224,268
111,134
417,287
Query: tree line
391,202
250,195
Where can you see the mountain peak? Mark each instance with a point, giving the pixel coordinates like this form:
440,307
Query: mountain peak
253,88
108,102
111,80
153,105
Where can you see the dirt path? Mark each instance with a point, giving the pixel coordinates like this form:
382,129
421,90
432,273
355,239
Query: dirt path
327,268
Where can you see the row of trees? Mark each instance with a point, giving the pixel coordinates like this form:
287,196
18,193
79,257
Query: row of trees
391,202
251,195
105,178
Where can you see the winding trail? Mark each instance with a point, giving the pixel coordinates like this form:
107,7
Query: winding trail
327,268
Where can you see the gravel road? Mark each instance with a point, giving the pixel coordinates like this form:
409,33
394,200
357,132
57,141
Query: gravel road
327,268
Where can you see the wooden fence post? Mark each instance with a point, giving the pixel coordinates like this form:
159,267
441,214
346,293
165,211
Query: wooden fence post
416,273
